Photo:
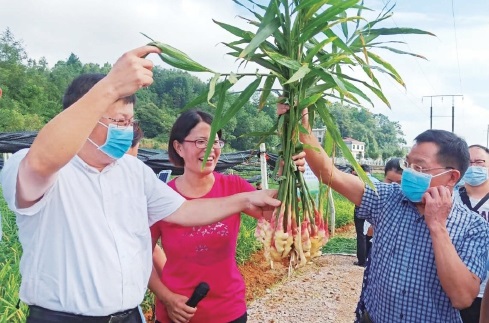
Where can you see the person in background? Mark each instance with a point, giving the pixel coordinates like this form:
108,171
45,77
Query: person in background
392,174
360,225
200,253
429,255
84,206
393,171
484,315
475,195
258,186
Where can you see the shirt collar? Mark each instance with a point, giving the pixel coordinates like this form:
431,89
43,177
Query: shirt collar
81,163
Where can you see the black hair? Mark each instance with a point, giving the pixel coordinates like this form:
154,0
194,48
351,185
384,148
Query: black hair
393,164
452,150
138,134
82,84
366,168
181,128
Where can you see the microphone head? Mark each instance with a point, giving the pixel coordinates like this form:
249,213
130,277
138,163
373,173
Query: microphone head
199,293
202,288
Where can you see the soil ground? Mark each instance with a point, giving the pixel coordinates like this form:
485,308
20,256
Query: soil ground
326,290
259,277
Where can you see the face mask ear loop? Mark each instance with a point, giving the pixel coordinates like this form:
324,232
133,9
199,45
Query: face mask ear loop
93,143
449,170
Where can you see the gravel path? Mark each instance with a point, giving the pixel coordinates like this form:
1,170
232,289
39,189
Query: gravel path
324,292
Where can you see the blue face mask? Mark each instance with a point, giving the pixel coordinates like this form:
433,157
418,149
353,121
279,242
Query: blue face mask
475,175
118,141
414,184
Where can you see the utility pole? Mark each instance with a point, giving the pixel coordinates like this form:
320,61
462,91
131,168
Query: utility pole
487,140
453,108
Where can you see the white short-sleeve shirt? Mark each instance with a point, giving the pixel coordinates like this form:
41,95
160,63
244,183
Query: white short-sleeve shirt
86,243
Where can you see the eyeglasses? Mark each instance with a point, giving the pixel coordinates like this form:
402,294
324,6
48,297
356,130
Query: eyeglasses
202,143
404,164
122,123
478,162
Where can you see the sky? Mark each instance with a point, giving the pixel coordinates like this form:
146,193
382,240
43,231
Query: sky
457,58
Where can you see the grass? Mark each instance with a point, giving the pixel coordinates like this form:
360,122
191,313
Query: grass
341,245
10,252
343,209
247,243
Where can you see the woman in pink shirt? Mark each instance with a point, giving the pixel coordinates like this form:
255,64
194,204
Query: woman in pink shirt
199,254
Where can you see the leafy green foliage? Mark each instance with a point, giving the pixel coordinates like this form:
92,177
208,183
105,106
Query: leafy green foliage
32,94
317,52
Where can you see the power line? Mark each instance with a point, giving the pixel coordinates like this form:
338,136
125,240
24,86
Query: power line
456,47
407,94
409,48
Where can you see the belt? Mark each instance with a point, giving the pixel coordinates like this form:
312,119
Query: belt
41,314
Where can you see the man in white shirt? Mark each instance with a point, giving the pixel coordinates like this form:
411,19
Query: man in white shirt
84,207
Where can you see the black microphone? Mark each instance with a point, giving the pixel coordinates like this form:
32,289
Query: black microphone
199,293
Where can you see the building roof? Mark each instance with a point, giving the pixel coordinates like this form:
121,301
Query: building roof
353,141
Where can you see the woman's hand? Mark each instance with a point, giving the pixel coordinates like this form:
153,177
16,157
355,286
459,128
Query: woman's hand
178,311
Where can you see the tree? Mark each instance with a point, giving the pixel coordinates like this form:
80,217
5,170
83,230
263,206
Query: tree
11,50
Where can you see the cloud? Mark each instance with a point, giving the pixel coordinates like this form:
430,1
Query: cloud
100,31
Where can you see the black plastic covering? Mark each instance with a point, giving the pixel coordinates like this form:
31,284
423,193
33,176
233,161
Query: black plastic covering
158,160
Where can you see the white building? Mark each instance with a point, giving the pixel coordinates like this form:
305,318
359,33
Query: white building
319,134
356,147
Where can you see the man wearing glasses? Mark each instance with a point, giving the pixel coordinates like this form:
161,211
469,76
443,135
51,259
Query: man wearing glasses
429,255
475,195
84,206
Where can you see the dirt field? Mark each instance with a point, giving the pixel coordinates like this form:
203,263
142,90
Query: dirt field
326,290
